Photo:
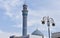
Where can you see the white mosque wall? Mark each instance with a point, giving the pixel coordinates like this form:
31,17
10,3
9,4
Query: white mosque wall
34,36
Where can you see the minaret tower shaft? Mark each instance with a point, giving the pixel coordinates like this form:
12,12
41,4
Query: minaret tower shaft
24,13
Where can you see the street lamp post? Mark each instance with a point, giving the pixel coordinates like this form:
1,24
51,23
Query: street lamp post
49,21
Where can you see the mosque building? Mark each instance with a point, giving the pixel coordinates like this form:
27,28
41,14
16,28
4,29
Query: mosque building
35,34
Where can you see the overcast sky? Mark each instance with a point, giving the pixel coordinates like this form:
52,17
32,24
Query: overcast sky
11,16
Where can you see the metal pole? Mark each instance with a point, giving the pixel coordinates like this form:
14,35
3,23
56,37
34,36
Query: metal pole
48,23
49,31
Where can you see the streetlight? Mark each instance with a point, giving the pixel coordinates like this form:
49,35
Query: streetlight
49,21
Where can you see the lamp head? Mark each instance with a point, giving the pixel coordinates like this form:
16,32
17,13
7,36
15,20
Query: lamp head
53,24
43,22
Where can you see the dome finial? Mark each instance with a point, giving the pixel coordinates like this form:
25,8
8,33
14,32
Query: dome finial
37,28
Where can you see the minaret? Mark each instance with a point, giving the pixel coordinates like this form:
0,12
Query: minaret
24,13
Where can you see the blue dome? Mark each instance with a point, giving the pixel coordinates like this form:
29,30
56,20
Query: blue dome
37,32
